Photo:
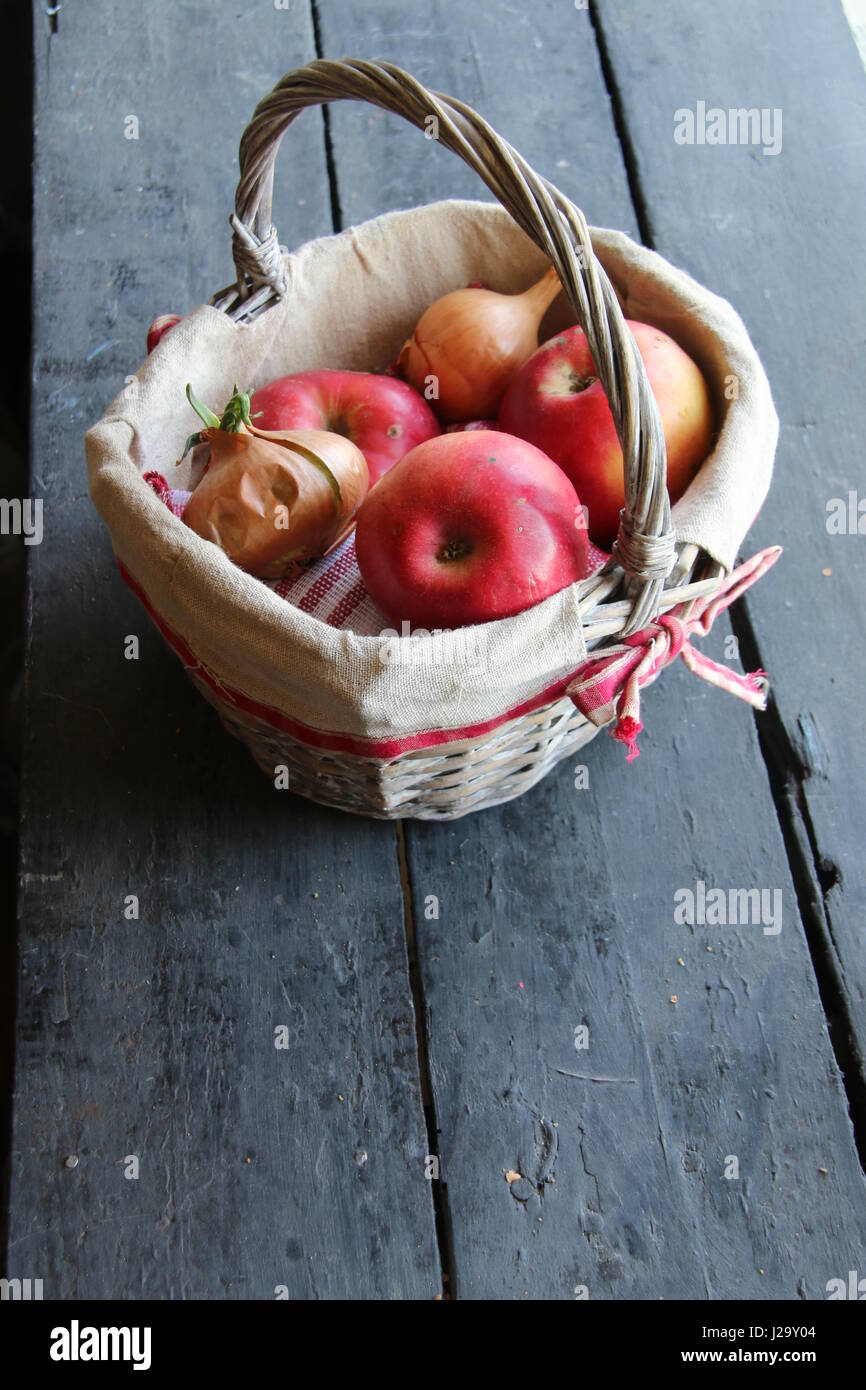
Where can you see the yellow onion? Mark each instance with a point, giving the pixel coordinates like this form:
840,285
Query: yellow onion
273,499
472,342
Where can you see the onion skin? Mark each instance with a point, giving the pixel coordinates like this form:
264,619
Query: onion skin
273,500
473,341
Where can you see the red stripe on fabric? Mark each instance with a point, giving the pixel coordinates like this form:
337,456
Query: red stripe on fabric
317,738
319,590
348,603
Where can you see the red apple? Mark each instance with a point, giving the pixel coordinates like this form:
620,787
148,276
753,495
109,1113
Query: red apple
469,527
383,416
557,403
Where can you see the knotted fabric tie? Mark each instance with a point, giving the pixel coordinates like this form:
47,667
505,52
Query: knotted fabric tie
609,685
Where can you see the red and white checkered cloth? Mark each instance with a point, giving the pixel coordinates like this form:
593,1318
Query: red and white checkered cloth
330,589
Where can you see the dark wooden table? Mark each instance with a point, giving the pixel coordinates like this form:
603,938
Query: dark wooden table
307,1169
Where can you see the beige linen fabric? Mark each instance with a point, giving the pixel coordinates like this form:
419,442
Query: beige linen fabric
351,301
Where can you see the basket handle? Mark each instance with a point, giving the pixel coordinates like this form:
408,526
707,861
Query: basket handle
645,547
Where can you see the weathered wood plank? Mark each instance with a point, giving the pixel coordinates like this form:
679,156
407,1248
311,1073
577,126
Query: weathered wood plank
155,1038
15,255
557,911
541,93
558,914
781,235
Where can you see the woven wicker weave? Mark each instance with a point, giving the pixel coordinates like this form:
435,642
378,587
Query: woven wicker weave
646,575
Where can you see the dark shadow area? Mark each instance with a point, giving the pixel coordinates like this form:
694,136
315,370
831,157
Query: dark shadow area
16,105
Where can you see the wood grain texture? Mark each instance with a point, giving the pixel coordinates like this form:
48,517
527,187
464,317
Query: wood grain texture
782,237
155,1038
557,911
523,68
558,914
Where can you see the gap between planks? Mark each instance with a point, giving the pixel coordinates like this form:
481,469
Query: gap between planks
814,877
438,1187
333,187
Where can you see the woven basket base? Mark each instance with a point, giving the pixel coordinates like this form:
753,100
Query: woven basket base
426,784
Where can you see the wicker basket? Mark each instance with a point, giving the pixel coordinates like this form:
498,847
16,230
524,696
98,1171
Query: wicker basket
649,574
